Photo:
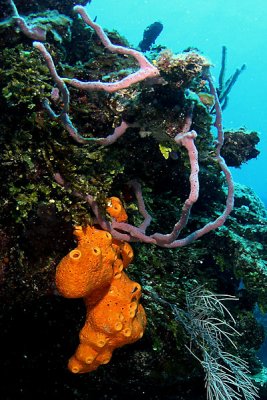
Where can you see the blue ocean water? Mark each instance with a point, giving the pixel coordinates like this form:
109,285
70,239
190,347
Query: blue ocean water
241,26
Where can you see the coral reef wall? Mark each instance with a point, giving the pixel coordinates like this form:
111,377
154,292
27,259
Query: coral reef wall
40,328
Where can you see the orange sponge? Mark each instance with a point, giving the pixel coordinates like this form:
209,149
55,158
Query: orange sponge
117,319
94,271
116,210
88,269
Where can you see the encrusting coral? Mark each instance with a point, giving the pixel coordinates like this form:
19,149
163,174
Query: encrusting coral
94,271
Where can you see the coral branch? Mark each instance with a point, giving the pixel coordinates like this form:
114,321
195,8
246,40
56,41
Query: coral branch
56,78
141,205
63,117
225,87
186,140
147,70
223,67
230,196
128,232
118,132
32,32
